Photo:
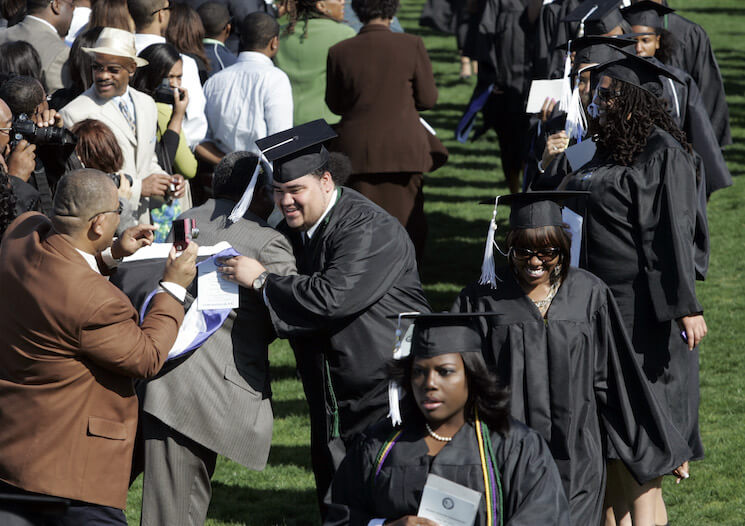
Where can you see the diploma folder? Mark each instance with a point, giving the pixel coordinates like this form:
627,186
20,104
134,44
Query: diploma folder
448,503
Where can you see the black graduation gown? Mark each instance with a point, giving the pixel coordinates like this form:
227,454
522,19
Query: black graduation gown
548,62
695,56
531,486
358,269
640,227
573,379
686,106
505,50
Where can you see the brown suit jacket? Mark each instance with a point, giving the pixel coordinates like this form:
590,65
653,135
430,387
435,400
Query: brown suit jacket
378,81
70,346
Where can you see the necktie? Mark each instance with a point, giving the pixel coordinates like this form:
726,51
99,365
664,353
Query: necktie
127,115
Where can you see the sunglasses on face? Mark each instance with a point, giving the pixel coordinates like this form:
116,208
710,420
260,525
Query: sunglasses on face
118,211
544,254
114,69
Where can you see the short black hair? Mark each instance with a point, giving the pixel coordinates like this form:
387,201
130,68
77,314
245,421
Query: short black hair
22,94
20,58
215,17
257,30
340,167
35,6
141,11
367,10
233,173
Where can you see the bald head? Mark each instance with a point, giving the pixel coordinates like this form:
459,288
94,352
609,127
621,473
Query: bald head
80,195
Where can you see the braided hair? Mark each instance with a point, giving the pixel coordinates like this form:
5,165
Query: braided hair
631,115
301,10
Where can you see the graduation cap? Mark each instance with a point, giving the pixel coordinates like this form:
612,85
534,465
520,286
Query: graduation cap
434,334
639,71
597,17
646,13
298,151
527,210
596,49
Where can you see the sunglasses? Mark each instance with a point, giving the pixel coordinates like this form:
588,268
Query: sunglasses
118,211
545,254
113,69
166,8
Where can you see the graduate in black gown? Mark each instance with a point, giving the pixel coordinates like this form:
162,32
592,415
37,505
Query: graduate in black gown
557,340
455,425
355,265
640,234
685,102
695,56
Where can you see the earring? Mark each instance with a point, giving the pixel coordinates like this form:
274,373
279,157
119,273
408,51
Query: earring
557,271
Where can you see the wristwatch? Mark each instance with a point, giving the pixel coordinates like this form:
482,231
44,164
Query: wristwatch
258,283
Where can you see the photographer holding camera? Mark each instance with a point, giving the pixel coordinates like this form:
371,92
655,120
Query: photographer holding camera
34,141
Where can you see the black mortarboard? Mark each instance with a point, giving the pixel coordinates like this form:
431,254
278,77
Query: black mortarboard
646,13
596,49
596,17
536,209
445,332
298,151
639,71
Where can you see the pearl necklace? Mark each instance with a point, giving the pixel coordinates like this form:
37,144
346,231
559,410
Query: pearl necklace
435,435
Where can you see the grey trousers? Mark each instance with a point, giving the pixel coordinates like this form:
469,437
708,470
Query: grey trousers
176,487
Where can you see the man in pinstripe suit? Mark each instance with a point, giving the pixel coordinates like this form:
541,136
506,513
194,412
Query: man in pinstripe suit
216,400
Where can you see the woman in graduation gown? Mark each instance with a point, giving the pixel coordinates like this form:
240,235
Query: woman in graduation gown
557,340
456,425
641,228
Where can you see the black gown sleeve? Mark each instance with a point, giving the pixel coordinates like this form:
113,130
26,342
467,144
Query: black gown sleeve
637,428
364,260
531,485
665,198
348,497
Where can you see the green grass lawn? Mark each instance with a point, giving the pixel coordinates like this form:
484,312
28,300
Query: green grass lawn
715,494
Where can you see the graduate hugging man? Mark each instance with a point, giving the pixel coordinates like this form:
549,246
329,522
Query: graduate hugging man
356,265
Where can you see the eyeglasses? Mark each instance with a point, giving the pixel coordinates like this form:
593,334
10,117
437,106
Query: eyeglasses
166,8
545,254
118,211
5,131
114,69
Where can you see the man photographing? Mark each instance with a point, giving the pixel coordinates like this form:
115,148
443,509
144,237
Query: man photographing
70,346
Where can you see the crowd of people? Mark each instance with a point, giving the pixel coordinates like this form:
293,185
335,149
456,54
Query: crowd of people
561,387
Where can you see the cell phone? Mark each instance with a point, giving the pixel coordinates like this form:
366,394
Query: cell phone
184,230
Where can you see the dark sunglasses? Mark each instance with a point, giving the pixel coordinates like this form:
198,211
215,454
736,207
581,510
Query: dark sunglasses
545,254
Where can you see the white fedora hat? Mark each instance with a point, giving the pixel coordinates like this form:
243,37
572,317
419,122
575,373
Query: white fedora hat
116,42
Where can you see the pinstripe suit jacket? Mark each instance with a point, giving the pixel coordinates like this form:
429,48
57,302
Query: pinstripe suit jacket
219,395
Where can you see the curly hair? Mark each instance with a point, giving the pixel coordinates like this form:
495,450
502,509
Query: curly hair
301,10
668,46
7,203
370,9
484,392
631,115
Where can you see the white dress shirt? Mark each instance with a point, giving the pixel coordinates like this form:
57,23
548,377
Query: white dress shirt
247,101
195,123
80,17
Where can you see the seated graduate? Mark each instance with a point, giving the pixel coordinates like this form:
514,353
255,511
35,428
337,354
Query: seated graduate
557,339
457,426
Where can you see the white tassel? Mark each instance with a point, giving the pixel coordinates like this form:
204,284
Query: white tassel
401,349
488,272
581,31
240,208
576,123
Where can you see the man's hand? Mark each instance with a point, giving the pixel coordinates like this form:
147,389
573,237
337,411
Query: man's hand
155,184
181,269
694,327
132,240
240,269
22,160
48,118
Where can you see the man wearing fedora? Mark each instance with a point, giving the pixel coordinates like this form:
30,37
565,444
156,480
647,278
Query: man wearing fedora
131,115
